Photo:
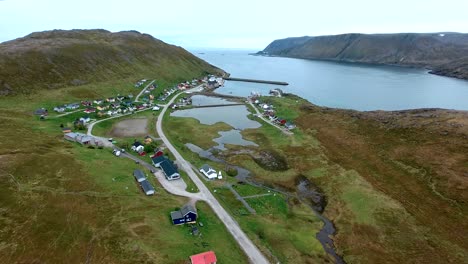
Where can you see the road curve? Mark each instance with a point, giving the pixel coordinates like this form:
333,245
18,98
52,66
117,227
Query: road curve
143,90
252,252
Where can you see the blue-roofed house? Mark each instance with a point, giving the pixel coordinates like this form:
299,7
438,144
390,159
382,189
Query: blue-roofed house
147,187
139,175
170,171
186,215
158,160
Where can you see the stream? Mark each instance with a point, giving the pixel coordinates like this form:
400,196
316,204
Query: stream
305,193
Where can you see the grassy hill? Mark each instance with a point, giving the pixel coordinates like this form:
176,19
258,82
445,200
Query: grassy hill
58,58
437,51
64,203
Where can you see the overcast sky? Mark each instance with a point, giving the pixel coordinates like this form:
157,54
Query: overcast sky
249,24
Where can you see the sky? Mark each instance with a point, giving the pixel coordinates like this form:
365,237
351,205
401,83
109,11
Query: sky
236,24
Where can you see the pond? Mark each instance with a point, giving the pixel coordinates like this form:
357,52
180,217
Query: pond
235,116
198,100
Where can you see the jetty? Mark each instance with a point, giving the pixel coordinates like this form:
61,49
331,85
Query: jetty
255,81
215,105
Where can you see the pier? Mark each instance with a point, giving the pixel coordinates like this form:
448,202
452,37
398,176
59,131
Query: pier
255,81
216,105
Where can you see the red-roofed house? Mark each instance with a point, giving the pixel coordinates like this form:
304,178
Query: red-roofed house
204,258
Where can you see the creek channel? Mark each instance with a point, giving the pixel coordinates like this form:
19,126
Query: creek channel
306,192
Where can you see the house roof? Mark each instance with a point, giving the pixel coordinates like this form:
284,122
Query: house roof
206,168
137,144
71,135
187,209
168,167
158,159
146,186
204,258
41,111
139,175
176,215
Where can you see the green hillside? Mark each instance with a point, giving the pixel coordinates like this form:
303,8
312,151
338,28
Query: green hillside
58,58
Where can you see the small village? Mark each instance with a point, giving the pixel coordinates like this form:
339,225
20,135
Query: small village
145,150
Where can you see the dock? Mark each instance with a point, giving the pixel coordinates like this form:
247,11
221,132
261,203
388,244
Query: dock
255,81
215,105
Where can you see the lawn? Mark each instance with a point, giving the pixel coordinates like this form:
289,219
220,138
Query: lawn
271,223
61,202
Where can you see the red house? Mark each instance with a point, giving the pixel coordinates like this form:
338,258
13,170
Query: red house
203,258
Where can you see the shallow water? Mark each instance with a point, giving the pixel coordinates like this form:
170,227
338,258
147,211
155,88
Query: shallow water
235,116
232,137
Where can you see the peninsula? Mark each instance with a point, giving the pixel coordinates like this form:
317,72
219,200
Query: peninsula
442,53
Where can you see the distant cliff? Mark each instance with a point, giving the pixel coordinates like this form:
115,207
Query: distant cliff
443,53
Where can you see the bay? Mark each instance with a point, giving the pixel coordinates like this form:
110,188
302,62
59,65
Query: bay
341,85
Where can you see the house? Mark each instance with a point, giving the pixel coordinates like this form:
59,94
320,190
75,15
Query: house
41,112
60,109
73,106
204,258
289,125
209,172
102,107
78,137
120,97
148,140
170,171
139,175
128,103
157,153
157,160
85,119
110,100
98,101
86,103
138,147
186,215
90,110
147,187
276,92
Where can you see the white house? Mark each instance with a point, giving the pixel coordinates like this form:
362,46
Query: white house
156,108
209,172
138,147
85,119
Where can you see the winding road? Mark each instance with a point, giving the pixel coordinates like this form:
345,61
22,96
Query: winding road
143,90
252,252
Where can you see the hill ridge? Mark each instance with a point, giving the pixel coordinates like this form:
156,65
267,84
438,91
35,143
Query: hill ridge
444,53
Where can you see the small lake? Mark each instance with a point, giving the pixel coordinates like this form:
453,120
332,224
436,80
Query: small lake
232,137
235,116
342,85
198,100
